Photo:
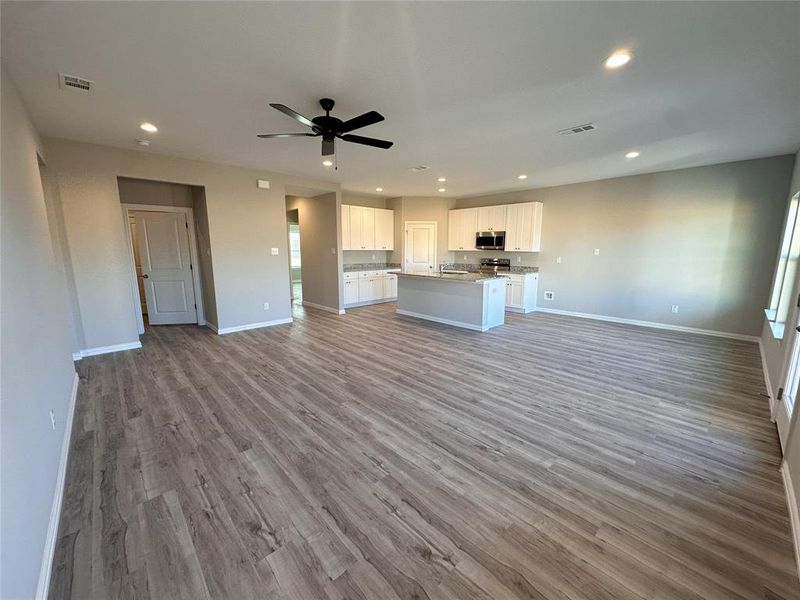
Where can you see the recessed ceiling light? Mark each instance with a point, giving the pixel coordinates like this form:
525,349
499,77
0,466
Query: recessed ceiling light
522,176
632,154
148,127
442,190
618,59
441,180
327,163
378,189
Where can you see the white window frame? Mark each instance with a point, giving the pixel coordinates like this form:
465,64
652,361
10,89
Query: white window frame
782,296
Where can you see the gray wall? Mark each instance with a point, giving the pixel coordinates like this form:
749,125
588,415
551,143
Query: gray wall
35,352
244,223
318,234
200,210
159,193
703,238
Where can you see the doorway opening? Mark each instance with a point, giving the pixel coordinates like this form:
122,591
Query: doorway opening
295,260
168,271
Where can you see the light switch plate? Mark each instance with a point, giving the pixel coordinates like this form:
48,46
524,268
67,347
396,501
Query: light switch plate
274,252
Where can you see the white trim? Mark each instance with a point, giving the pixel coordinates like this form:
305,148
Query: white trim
194,255
329,309
212,327
794,511
408,313
224,330
76,356
653,324
109,349
767,381
43,587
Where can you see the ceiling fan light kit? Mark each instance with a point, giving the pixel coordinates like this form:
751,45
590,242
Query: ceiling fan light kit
330,128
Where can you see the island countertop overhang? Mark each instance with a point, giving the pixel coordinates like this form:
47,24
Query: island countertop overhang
479,278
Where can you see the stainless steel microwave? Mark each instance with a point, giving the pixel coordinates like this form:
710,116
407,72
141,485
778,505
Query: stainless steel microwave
490,240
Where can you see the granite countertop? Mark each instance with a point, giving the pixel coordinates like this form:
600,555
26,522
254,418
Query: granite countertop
455,277
370,267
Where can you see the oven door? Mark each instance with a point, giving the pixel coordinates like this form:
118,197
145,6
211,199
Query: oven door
490,240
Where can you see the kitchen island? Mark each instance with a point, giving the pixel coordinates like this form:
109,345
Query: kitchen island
470,300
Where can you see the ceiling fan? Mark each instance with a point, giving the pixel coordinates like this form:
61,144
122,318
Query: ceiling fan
330,128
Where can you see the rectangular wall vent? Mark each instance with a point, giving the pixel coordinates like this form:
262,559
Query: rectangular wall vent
75,84
577,129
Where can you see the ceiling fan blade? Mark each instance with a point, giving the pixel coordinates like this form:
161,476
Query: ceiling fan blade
358,139
327,147
295,115
283,135
360,121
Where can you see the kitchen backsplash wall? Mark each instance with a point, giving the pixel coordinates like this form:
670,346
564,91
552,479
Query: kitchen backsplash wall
350,257
519,259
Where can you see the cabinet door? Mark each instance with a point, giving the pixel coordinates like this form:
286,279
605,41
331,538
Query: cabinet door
376,288
367,228
384,229
390,286
513,227
484,218
491,218
469,227
524,227
516,295
351,291
346,227
454,230
509,298
364,290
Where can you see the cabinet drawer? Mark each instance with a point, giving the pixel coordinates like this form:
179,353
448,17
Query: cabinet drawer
351,275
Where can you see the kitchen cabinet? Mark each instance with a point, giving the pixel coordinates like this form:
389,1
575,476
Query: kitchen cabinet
523,227
369,287
362,228
461,229
365,228
384,229
521,289
345,215
492,218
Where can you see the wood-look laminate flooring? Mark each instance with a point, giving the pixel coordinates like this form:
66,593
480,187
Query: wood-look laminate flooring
373,456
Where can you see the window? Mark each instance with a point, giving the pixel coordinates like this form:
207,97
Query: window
294,246
786,271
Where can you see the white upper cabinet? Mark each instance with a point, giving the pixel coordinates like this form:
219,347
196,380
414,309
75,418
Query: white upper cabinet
523,227
461,229
492,218
362,228
384,229
365,228
346,227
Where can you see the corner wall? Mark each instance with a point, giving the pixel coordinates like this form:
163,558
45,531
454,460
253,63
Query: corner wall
35,352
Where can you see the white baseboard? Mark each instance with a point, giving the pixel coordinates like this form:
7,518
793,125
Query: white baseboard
329,309
767,381
224,330
212,327
653,324
794,511
462,324
523,311
107,349
42,588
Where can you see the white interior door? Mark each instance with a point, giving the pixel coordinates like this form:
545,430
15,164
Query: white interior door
420,254
166,267
785,413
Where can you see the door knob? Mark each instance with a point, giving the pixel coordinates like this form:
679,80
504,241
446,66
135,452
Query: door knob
145,276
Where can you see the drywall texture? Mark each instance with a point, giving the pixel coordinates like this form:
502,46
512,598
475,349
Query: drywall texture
37,371
318,235
205,256
358,200
159,193
704,239
244,224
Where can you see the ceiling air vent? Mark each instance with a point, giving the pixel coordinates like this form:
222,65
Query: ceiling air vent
75,84
577,129
419,168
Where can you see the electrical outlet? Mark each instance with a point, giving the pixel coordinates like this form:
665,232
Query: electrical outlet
519,259
674,308
558,260
266,305
53,420
274,252
549,295
465,257
597,251
373,257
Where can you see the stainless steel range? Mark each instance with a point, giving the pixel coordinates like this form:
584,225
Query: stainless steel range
495,266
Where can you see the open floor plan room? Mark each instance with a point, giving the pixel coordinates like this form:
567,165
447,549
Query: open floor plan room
412,300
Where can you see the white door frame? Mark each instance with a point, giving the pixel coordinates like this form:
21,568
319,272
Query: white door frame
193,253
435,241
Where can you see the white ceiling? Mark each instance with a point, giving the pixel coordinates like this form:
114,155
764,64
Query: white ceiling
475,90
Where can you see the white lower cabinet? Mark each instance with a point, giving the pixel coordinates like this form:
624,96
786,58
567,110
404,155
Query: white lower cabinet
369,287
521,292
